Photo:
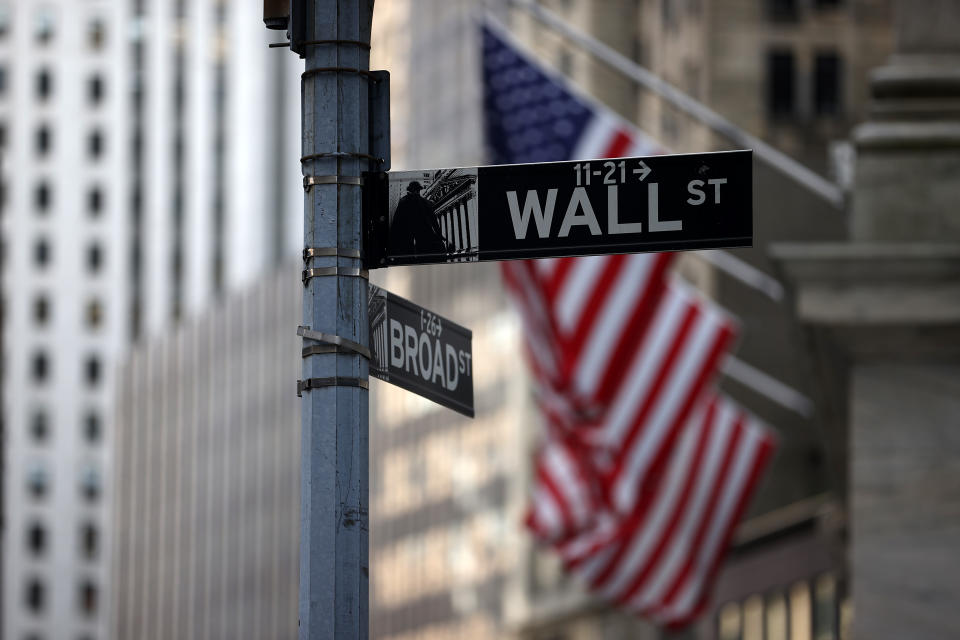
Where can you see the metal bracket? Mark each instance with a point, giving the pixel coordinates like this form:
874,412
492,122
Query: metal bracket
379,118
329,252
318,70
336,381
340,154
350,345
309,181
318,349
319,272
314,43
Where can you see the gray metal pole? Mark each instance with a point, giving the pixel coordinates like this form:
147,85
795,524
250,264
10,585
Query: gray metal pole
335,444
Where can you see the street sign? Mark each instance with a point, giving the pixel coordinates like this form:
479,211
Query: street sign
555,209
420,351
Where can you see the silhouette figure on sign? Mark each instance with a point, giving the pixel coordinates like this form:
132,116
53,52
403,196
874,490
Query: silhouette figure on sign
414,228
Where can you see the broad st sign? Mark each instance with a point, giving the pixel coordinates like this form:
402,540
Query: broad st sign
555,209
420,351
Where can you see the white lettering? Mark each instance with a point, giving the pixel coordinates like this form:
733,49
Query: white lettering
465,362
543,218
653,211
438,365
453,375
425,368
411,345
716,182
694,189
613,219
396,343
579,200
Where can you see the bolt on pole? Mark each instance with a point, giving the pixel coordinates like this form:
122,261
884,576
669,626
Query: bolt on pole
334,38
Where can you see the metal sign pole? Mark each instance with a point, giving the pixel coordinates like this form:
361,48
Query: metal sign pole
335,442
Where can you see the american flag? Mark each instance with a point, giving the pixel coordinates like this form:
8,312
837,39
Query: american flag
645,470
532,116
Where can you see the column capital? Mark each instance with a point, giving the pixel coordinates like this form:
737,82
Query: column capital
889,300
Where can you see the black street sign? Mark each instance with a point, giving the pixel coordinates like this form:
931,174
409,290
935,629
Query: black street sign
420,351
555,209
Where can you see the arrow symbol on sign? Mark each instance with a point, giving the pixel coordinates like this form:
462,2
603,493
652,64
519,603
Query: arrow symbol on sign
644,171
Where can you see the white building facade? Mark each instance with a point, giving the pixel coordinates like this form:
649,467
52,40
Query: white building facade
149,165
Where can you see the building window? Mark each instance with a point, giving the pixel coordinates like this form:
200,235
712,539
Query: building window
637,50
780,84
40,426
42,197
37,481
95,89
93,314
93,370
94,257
776,617
41,253
668,13
827,84
35,595
44,25
95,144
3,135
89,541
782,10
43,140
41,310
92,427
44,86
96,34
90,484
88,598
40,367
94,201
799,613
36,538
4,20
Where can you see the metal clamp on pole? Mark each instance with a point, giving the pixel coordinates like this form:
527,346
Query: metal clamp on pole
320,272
337,381
344,343
314,43
340,154
330,252
318,70
309,181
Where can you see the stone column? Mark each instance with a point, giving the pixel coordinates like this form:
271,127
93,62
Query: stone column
883,312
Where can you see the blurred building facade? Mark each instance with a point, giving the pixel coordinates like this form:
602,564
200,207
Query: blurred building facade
448,556
793,73
207,458
207,484
881,311
141,177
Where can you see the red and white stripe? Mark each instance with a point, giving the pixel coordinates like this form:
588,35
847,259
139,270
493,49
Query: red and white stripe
664,555
672,368
636,350
600,307
565,493
610,136
522,283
